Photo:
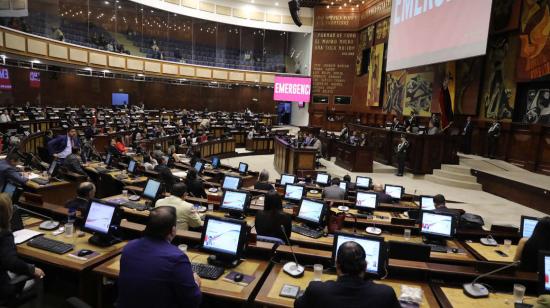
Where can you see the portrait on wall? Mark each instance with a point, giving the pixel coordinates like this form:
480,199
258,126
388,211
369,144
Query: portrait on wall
418,93
499,89
534,57
395,92
538,106
375,75
468,81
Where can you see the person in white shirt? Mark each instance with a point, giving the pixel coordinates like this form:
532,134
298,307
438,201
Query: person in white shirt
186,214
5,117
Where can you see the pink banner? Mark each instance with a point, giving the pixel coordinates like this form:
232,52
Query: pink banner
292,89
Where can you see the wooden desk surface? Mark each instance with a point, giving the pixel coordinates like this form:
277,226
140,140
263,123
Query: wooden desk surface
51,185
128,180
220,287
269,293
454,297
488,253
65,260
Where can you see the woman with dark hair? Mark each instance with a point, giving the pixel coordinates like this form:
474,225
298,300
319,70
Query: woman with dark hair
195,187
270,220
528,248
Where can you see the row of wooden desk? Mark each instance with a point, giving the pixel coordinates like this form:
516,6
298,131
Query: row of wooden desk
293,160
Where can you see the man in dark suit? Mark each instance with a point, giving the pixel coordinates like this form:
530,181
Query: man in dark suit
155,273
467,135
382,196
8,172
492,139
84,193
350,289
73,164
61,146
401,153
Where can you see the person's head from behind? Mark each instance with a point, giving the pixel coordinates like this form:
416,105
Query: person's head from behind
86,190
178,190
12,159
439,201
273,202
264,176
191,174
308,179
161,224
76,151
347,178
71,132
350,260
378,187
335,181
541,233
6,212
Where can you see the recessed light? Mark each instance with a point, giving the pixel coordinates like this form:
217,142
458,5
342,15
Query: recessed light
35,61
106,71
276,3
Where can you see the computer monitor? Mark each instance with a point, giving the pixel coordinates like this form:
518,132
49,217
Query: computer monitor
225,239
215,162
235,202
293,193
427,203
243,168
322,178
528,225
199,166
232,182
151,190
374,246
108,159
395,191
287,179
544,272
312,212
436,227
53,168
366,201
344,185
363,182
101,220
132,167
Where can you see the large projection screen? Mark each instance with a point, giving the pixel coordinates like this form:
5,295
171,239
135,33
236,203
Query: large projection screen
432,31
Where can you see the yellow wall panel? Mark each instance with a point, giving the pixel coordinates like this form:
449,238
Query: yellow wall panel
236,76
169,69
37,47
204,72
134,64
223,10
58,51
187,71
152,67
268,78
115,61
189,3
217,74
78,55
274,18
207,7
16,42
98,58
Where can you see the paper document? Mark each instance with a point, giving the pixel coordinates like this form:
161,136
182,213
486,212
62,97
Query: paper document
24,235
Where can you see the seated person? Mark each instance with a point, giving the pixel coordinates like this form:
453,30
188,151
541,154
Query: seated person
382,196
347,178
72,163
350,289
334,191
84,193
263,181
157,152
187,216
8,172
528,248
195,157
165,174
112,149
9,261
441,207
155,273
119,145
270,220
439,201
195,186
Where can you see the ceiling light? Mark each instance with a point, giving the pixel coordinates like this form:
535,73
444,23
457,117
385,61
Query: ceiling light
276,3
141,75
35,61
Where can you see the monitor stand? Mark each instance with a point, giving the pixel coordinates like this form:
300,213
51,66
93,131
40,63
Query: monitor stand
365,214
103,240
223,262
434,240
235,215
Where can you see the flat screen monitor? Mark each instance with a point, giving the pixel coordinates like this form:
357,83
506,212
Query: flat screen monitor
108,159
132,166
363,182
311,212
215,162
437,224
152,189
231,182
243,168
395,191
294,192
528,225
322,178
235,201
99,217
366,201
427,203
344,185
544,272
199,166
374,250
287,179
51,169
223,236
9,189
120,99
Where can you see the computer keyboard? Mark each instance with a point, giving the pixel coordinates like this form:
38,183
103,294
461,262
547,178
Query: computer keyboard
305,231
41,181
438,248
135,205
50,245
207,271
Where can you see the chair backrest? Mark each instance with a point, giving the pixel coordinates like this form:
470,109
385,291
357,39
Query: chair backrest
409,251
270,239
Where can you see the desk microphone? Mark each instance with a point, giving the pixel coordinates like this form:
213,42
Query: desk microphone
50,224
134,197
293,269
478,290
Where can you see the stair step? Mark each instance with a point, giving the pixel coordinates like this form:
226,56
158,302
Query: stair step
456,169
455,176
453,183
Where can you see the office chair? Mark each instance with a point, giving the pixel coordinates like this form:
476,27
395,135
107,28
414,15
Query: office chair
270,239
75,302
34,293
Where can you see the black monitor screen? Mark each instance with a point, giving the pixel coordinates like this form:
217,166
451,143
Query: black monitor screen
51,170
373,246
440,225
215,162
231,182
544,272
151,189
427,203
528,225
234,200
344,185
294,192
311,211
222,236
243,168
198,166
287,178
108,159
132,166
362,182
396,192
366,200
322,178
99,217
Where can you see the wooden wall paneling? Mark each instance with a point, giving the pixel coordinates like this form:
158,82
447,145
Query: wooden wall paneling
543,151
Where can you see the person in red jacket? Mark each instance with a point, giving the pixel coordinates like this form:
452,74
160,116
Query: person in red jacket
120,145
